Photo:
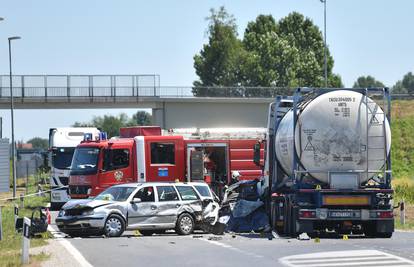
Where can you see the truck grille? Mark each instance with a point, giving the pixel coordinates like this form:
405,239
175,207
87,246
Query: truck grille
78,189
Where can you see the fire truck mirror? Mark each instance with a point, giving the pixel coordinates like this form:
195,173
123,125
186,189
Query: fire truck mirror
256,155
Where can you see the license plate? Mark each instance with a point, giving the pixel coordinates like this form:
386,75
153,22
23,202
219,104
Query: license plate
343,214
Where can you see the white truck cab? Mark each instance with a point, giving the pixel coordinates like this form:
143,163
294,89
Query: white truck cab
62,143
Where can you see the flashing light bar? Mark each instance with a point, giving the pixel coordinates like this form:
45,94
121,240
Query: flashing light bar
87,137
103,136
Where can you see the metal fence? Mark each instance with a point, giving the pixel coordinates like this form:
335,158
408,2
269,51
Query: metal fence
124,86
52,86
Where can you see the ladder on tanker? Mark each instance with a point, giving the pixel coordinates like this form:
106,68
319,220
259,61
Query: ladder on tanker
376,138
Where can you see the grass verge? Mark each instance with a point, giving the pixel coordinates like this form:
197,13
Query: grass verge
10,246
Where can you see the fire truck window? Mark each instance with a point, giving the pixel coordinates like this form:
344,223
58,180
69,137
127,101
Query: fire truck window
162,153
116,159
167,193
146,194
187,193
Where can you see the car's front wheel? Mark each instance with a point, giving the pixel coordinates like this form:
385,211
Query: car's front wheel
185,224
114,226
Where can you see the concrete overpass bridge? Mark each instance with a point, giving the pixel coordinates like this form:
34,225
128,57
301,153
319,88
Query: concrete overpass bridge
172,107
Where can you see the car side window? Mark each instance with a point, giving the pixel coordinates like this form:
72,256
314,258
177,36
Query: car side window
187,193
146,194
167,193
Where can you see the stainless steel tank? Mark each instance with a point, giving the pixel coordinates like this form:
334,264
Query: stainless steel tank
338,131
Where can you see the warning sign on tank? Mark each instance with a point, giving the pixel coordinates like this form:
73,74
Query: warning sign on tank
309,146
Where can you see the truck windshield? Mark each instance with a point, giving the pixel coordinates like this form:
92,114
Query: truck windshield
120,193
85,161
62,157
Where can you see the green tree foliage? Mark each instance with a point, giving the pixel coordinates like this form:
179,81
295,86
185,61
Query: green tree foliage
39,143
141,118
218,63
367,82
111,124
406,85
285,53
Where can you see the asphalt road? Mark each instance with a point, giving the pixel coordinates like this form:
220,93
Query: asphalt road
244,250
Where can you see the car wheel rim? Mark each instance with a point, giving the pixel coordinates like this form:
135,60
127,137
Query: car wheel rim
186,224
113,226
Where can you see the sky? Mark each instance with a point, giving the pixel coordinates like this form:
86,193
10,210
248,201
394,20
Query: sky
369,37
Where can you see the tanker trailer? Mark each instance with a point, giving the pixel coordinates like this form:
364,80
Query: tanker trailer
328,164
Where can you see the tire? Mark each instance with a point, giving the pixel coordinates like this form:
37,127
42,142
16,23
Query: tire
146,232
114,226
185,224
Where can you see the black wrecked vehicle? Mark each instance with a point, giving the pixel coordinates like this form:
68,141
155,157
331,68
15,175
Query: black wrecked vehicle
147,207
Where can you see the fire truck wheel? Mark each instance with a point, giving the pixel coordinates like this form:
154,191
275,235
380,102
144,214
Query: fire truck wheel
185,224
114,226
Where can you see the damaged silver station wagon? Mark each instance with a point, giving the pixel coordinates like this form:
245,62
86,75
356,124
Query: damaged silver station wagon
149,207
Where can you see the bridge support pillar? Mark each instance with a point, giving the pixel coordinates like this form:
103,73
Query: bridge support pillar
158,116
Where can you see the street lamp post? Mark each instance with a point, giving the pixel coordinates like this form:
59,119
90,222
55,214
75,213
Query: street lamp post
325,48
12,116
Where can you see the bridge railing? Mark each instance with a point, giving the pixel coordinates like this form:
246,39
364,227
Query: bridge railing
124,86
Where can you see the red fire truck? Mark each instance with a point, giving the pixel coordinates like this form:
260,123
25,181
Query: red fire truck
147,154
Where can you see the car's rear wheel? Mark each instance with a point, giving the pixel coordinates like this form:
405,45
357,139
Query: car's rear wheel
185,224
114,226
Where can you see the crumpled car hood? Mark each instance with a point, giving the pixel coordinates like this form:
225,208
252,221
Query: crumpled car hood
86,203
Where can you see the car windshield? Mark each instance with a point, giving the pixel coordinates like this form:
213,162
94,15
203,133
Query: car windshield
62,157
203,190
116,193
85,160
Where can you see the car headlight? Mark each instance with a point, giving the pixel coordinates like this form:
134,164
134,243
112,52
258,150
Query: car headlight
61,213
87,212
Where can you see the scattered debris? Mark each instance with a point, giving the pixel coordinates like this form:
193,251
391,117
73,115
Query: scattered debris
303,236
197,236
171,242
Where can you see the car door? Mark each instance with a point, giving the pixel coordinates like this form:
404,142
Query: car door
168,205
144,213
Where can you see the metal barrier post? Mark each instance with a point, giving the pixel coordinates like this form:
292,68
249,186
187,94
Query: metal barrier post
16,213
402,212
1,226
26,240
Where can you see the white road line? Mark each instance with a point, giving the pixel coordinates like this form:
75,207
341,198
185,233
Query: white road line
216,243
69,247
346,258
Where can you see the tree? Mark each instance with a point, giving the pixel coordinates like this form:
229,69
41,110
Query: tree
408,82
39,143
218,63
398,88
367,82
141,118
287,53
111,124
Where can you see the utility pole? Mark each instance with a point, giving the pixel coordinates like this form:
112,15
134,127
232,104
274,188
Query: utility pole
325,48
12,116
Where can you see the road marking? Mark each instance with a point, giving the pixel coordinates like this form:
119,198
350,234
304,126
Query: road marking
216,243
346,258
69,247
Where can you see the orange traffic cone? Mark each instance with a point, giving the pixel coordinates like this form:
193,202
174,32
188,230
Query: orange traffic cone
48,216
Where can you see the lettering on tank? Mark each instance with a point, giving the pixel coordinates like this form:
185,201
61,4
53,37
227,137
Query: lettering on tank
341,108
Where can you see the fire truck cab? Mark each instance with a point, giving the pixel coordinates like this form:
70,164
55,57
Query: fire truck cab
143,154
